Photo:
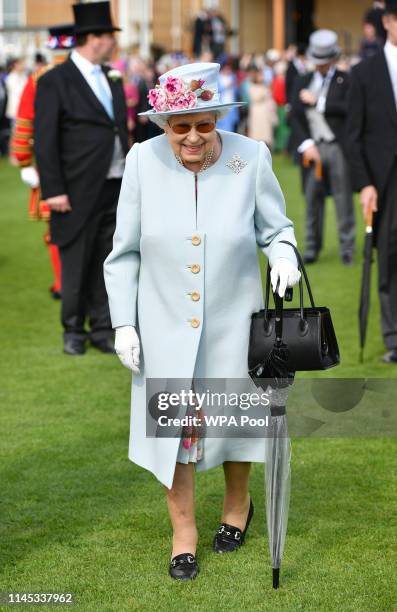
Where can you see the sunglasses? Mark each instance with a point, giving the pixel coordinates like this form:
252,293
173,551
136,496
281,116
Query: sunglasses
184,128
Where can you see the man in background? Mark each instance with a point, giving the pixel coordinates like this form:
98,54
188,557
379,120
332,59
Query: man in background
318,120
374,16
296,67
372,146
81,140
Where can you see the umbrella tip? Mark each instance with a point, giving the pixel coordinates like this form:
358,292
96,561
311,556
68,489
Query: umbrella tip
276,577
361,357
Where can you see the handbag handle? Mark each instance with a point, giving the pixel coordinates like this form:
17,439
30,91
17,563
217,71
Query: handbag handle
302,268
278,324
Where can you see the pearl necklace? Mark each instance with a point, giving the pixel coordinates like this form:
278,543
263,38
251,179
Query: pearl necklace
205,165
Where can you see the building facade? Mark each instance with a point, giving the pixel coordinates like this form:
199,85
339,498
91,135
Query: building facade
257,24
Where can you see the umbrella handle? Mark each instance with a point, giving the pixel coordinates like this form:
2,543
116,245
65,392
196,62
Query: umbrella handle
319,170
369,219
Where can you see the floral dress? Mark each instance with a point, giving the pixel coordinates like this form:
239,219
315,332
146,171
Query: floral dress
191,445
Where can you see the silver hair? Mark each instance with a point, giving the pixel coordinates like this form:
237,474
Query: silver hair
161,120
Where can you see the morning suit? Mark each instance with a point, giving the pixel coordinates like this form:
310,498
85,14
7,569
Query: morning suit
188,277
327,129
372,146
75,139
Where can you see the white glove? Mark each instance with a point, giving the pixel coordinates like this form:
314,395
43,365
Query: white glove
30,176
286,272
127,347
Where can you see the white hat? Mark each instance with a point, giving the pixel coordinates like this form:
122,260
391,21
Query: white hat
192,88
273,55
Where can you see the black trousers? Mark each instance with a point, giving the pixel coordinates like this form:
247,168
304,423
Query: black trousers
386,244
83,287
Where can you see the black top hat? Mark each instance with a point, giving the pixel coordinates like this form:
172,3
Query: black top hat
65,29
61,36
391,6
93,17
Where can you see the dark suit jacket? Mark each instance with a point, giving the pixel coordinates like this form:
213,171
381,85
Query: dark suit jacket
290,79
335,109
74,141
372,124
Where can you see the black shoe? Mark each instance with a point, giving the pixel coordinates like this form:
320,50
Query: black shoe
310,259
55,294
390,356
105,346
347,259
74,347
229,538
183,567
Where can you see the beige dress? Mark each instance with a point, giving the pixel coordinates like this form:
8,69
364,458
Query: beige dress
262,115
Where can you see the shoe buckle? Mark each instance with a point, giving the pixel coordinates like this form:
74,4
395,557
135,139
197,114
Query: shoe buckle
189,559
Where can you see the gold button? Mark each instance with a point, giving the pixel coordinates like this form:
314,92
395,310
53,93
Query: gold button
196,240
195,323
195,296
195,268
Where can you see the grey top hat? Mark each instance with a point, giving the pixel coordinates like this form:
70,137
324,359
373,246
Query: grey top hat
323,47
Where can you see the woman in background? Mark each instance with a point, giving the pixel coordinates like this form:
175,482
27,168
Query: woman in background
262,116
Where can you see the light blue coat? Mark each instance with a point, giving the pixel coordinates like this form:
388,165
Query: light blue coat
150,279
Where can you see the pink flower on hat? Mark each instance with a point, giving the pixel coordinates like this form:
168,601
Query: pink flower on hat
176,95
158,99
190,99
186,100
174,86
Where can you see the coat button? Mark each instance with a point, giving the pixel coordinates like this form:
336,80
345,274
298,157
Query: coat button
195,268
196,240
195,296
194,322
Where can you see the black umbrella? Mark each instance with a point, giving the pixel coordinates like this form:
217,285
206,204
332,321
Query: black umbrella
366,282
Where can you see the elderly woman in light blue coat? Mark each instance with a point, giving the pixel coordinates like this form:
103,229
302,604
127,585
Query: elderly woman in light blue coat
183,280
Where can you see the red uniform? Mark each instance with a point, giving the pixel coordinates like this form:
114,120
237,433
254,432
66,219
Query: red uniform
22,151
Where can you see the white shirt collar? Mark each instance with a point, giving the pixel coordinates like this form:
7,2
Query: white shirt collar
391,52
83,64
329,74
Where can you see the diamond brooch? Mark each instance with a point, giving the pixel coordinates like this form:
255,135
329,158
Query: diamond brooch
236,163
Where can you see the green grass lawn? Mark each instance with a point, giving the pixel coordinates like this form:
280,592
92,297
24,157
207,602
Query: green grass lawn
77,516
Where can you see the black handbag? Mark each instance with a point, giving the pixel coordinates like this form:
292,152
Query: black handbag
307,332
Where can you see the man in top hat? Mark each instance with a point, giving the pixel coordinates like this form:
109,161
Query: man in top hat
80,144
374,16
372,142
60,41
318,118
